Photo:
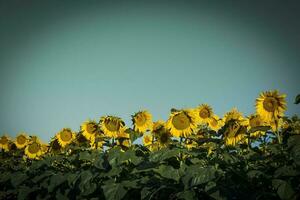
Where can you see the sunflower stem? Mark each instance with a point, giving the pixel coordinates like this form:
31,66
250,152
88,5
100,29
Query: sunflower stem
277,132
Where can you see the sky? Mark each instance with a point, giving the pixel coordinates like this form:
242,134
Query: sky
63,62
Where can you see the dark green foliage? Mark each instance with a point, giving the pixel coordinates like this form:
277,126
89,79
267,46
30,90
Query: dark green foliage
266,171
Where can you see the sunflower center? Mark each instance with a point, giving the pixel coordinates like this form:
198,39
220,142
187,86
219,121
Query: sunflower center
214,122
90,128
147,139
66,136
21,139
181,121
204,113
34,148
270,104
164,138
3,140
140,120
112,125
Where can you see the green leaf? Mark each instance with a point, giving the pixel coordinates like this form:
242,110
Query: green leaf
24,192
294,147
72,178
86,186
187,195
286,171
284,189
254,173
196,175
168,172
146,192
164,154
17,178
114,191
85,155
39,178
55,181
297,99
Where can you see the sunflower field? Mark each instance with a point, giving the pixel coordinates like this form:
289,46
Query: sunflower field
194,154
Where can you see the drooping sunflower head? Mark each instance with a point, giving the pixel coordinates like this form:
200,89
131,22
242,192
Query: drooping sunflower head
235,133
233,115
97,143
89,129
142,121
254,121
158,125
182,123
21,140
4,143
215,123
111,125
34,150
204,113
163,138
65,137
123,134
270,105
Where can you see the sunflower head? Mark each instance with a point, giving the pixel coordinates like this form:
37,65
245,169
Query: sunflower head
204,113
111,125
235,133
89,129
65,137
253,121
147,140
215,123
21,140
97,143
182,123
270,105
34,150
233,115
142,121
4,143
163,138
190,144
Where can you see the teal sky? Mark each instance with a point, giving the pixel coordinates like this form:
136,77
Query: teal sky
62,64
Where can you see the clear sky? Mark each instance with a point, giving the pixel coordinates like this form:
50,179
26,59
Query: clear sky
61,64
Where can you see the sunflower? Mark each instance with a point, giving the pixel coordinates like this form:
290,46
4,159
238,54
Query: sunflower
4,143
34,150
97,144
235,133
111,125
158,126
255,120
21,141
147,140
89,130
65,137
142,121
182,123
270,105
124,143
189,144
205,113
215,123
163,138
234,115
